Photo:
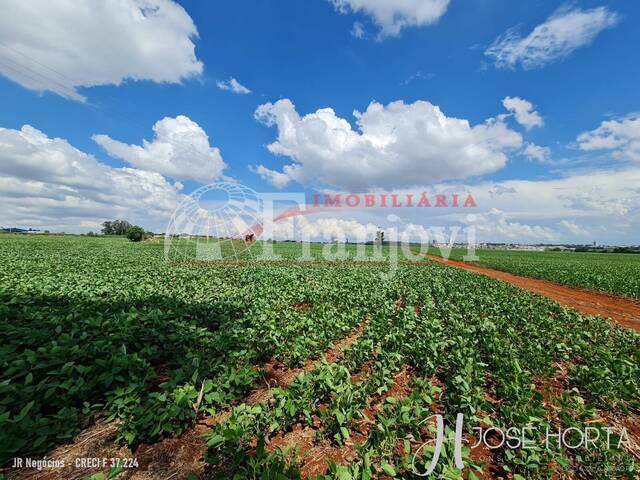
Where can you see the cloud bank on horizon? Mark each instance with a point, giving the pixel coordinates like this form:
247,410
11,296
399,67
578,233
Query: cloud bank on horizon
531,184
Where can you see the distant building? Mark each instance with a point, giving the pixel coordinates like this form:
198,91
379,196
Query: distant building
17,230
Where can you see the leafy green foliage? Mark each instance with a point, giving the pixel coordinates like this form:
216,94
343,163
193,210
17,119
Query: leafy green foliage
135,234
102,327
615,273
98,326
115,227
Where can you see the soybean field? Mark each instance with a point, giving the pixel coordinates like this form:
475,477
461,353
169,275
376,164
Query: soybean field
615,273
304,369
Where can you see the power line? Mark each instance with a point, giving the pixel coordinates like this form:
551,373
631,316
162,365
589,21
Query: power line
47,80
36,61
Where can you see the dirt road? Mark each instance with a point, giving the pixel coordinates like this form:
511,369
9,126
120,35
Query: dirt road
625,312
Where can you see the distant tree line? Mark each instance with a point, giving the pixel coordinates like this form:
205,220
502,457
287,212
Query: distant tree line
607,250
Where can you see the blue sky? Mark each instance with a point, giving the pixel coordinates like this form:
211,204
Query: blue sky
307,53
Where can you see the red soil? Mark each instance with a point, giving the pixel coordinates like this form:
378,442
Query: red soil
177,457
277,375
625,312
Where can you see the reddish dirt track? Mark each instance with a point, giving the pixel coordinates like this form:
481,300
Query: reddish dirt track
625,312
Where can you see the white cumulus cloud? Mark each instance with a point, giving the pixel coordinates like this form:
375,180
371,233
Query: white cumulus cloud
602,202
46,182
537,153
395,145
524,112
277,179
394,15
60,45
180,150
496,224
573,228
566,30
232,85
355,230
622,137
326,229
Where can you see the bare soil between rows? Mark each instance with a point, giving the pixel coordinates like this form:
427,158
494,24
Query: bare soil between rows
589,302
174,458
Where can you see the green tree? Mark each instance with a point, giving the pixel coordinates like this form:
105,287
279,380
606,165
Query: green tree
115,227
135,233
107,228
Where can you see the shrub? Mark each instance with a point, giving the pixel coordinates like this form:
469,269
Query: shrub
135,233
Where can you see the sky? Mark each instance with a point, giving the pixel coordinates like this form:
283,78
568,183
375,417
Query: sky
120,109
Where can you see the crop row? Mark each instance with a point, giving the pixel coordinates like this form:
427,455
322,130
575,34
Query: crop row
490,346
95,328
